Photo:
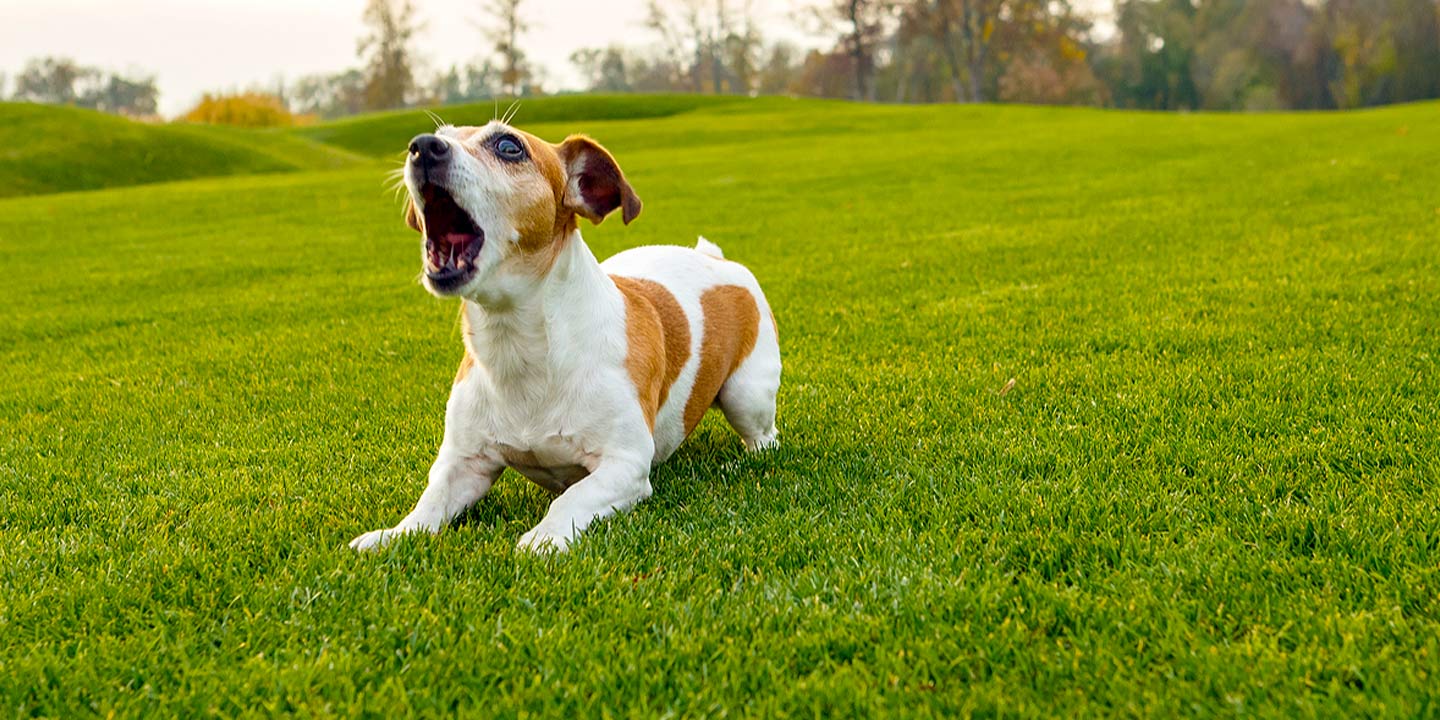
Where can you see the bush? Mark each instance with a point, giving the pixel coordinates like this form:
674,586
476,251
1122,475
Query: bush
249,109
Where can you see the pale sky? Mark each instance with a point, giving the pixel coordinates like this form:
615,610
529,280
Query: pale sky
192,46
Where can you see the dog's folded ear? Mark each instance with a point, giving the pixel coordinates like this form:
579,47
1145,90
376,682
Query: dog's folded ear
594,185
412,216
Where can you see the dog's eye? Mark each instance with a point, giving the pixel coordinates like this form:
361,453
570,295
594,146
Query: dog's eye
508,148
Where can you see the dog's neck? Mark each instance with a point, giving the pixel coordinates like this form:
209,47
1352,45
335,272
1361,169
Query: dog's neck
526,327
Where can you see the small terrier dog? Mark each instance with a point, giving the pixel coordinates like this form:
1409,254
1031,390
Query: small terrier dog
578,374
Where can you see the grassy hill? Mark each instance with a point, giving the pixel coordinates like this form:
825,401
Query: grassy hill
1210,490
385,134
55,149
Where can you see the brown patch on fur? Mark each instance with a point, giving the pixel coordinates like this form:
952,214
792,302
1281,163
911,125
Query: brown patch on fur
546,223
412,216
557,183
466,364
658,334
732,320
595,186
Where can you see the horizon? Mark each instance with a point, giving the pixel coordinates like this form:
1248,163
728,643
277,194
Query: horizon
235,45
210,46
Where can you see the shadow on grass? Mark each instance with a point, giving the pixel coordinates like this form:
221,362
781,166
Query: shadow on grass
711,467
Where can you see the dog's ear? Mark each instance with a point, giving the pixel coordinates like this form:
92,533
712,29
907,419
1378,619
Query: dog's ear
594,185
412,216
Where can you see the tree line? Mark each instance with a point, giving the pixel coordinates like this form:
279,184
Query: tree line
61,81
1160,54
1152,54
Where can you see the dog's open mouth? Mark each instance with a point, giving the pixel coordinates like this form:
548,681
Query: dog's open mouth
452,240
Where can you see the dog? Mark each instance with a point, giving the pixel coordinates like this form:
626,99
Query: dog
578,374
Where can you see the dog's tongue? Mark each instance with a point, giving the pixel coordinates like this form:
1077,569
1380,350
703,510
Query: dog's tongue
456,238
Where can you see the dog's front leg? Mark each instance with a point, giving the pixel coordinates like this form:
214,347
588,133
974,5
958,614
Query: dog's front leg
457,480
616,484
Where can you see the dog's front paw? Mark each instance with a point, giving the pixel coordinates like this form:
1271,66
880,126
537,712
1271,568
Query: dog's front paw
539,540
374,540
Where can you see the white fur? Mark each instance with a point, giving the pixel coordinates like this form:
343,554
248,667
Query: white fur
709,248
550,394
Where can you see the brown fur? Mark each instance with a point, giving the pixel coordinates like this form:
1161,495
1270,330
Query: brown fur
600,187
658,335
466,364
547,217
732,320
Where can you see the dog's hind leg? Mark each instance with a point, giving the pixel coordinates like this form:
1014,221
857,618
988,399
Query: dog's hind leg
748,396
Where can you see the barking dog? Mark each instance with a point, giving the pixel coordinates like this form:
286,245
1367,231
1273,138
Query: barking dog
578,374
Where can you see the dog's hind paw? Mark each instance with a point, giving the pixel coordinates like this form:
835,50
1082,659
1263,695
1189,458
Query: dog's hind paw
763,442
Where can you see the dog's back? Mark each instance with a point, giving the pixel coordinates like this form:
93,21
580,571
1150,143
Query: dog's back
720,341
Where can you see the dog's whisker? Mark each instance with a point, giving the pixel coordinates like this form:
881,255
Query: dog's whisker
511,111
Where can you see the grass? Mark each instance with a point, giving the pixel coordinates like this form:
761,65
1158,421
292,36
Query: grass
1211,490
49,149
375,134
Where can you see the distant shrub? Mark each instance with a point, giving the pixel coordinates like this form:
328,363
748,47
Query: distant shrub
248,109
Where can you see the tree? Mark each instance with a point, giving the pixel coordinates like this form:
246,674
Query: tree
964,47
248,109
742,49
1384,50
1037,55
1153,55
825,74
328,96
61,81
136,97
389,64
861,24
710,45
464,84
604,69
779,69
51,80
505,34
686,35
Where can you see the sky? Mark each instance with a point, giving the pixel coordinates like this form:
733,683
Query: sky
194,46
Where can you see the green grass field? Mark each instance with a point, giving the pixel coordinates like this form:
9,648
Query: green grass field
53,149
1210,492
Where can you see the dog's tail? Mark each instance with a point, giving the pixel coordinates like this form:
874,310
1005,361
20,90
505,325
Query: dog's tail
708,248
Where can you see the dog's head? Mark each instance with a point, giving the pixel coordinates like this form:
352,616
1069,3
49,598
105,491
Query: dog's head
496,204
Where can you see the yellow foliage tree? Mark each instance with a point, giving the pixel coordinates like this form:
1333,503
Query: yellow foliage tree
247,109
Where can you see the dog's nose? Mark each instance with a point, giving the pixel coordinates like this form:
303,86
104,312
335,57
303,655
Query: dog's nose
429,149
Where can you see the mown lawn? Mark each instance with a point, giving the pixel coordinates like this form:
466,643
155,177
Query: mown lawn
1210,491
49,149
